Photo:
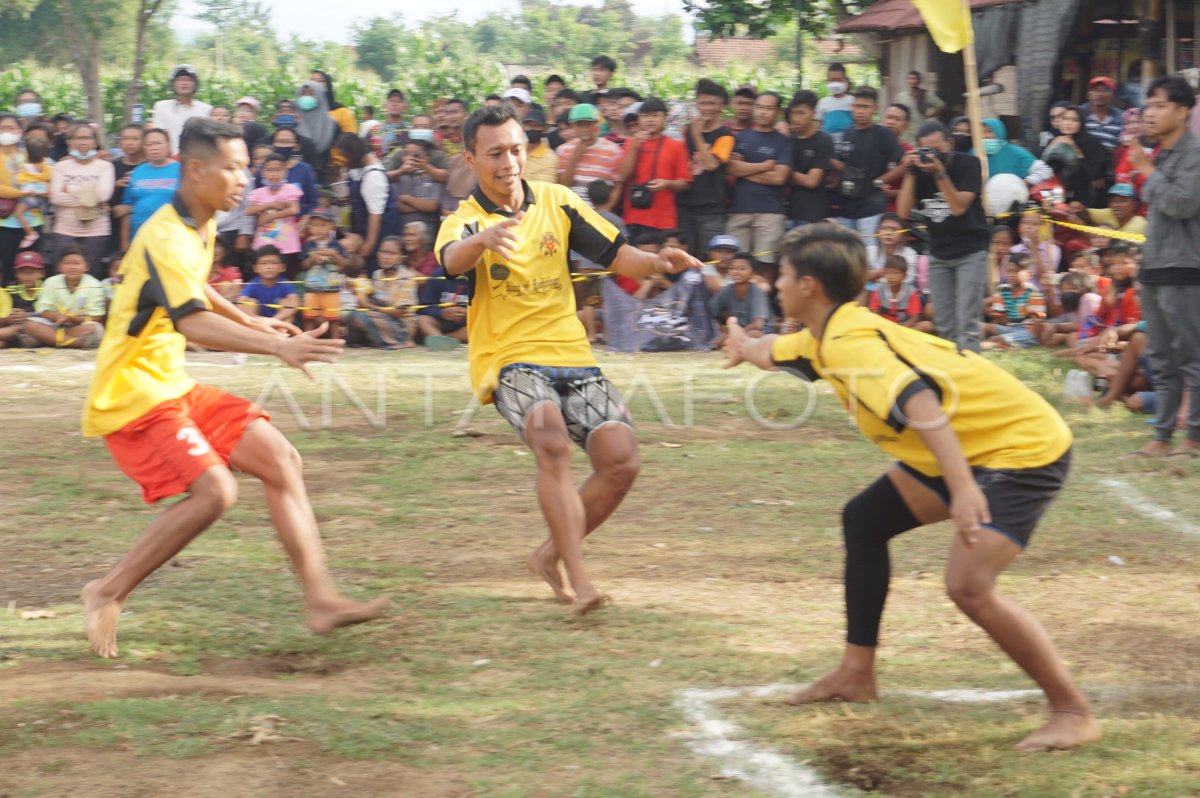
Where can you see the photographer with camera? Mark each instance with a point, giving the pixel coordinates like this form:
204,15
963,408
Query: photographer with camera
863,162
943,188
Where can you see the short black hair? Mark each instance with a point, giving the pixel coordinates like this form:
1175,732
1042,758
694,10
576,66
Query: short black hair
617,94
396,93
352,148
422,143
915,72
904,109
156,130
710,88
896,262
931,127
567,94
746,91
36,151
1020,259
604,62
522,80
1176,89
71,249
131,126
488,116
835,67
201,136
274,158
831,254
493,96
599,191
803,97
775,94
746,256
554,79
648,237
457,101
265,251
369,109
891,217
866,93
61,118
653,105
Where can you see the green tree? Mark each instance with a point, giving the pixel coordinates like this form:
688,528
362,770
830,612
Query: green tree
376,41
761,18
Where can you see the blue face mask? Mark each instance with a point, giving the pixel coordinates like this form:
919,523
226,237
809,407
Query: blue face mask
306,103
420,135
29,110
83,156
285,120
274,185
992,146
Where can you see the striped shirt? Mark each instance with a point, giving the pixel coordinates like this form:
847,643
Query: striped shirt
602,161
1013,308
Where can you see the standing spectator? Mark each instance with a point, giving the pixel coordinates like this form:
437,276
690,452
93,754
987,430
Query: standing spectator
864,155
152,184
655,168
316,125
762,163
80,188
395,129
373,211
286,144
895,119
550,89
520,99
33,179
12,162
454,113
1079,159
1102,120
245,113
743,109
834,112
1131,129
130,155
588,157
945,187
1170,271
921,101
1051,131
342,116
28,105
812,152
418,195
603,68
276,208
541,163
710,145
219,114
434,160
1006,158
169,115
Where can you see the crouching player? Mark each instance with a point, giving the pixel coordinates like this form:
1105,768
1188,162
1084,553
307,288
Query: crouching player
974,445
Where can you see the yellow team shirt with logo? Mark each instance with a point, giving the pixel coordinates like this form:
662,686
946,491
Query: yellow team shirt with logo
523,310
875,366
141,364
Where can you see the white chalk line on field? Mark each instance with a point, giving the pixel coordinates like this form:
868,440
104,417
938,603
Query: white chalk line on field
1137,502
766,768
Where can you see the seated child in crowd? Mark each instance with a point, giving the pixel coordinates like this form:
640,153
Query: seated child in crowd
18,301
226,279
1079,302
716,267
891,242
740,299
1038,243
33,177
393,295
113,279
276,211
1017,306
442,319
69,311
323,261
898,300
1003,240
265,294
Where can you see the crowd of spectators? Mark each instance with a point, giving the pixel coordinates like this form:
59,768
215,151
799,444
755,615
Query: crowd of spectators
338,221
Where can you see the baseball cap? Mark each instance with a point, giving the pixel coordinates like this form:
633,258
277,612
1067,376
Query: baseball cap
723,242
184,69
518,94
584,112
321,213
250,101
1123,190
1102,81
28,260
536,116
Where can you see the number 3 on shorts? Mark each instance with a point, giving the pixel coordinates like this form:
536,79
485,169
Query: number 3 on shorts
199,446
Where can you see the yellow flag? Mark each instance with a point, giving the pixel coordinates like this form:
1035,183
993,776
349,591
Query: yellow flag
949,23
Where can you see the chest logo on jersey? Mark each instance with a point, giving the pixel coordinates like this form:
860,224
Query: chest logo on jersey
549,244
499,272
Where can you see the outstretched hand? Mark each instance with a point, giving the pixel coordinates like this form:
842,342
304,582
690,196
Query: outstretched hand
675,260
735,339
501,238
272,325
309,347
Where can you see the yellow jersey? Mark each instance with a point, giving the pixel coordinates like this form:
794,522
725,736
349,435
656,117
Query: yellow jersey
523,310
875,366
140,364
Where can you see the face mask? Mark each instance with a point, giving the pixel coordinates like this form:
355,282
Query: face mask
28,110
285,120
83,156
835,87
9,139
962,142
534,137
274,185
1070,302
286,152
992,146
420,135
306,103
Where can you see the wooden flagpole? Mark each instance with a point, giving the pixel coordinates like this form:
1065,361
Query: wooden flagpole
974,102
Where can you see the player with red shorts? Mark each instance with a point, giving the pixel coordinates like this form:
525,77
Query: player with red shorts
172,436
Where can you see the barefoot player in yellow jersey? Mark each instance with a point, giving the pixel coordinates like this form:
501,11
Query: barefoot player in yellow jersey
529,352
974,446
173,436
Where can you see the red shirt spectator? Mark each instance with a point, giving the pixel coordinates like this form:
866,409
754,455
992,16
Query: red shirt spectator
658,158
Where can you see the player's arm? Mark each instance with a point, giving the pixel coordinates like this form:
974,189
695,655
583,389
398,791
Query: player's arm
633,262
214,331
968,506
229,310
742,348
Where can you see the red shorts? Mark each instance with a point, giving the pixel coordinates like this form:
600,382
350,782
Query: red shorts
167,449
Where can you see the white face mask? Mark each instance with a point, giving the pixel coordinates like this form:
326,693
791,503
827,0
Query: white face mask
835,87
9,139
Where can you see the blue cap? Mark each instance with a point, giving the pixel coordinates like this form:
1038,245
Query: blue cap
1123,190
724,242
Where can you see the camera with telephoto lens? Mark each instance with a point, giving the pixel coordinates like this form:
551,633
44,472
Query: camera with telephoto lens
927,154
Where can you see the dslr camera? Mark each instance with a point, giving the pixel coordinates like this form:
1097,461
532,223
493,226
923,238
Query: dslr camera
927,154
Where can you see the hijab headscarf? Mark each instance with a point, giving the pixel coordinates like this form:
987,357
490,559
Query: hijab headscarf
1009,159
316,125
333,103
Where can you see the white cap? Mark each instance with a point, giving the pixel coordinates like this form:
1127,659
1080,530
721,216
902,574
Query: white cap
517,93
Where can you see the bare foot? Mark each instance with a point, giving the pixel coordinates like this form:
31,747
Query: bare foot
840,685
335,615
1188,449
1105,402
1151,449
100,621
589,602
542,564
1065,729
